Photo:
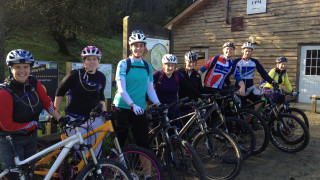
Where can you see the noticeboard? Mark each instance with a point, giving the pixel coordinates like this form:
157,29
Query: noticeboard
156,49
47,74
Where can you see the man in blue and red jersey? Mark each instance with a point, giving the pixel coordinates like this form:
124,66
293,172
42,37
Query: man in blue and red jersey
219,67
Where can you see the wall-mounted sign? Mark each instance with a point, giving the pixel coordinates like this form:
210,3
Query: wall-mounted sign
156,49
256,6
47,74
106,69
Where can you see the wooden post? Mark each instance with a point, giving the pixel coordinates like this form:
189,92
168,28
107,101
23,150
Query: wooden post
313,103
126,34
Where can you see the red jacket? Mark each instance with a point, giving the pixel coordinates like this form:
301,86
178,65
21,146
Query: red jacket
6,110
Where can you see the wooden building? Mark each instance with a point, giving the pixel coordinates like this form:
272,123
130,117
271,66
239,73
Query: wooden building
284,28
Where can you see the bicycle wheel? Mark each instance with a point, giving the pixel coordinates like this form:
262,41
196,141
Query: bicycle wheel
260,128
183,162
299,113
111,169
289,133
242,133
140,162
219,153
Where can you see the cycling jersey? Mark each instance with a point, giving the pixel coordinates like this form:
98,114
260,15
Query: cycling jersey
276,73
136,83
217,75
85,91
247,68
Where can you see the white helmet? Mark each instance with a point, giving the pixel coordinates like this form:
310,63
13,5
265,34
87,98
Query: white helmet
137,36
91,51
169,58
19,56
247,45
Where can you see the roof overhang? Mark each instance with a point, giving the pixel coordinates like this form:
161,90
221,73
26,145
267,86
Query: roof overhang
186,13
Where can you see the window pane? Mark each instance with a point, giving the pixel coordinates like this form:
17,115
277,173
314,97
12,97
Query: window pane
318,71
318,62
313,71
313,62
308,62
308,53
314,53
307,71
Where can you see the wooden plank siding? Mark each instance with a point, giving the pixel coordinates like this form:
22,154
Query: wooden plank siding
279,32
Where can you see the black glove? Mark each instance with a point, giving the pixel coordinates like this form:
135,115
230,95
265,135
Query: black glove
64,120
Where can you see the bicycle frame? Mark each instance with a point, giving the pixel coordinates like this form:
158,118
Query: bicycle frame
105,129
67,144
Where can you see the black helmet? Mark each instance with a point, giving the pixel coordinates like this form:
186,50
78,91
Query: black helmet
190,56
281,59
229,44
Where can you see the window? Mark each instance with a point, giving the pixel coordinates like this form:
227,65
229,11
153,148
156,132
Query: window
313,62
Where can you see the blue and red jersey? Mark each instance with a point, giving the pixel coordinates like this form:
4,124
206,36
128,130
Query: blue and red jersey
217,75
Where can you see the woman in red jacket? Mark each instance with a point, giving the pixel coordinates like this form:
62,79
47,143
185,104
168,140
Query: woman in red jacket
22,99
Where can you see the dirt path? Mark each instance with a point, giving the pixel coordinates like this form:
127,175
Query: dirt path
274,164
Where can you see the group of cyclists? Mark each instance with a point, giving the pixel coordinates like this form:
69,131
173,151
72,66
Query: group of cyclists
22,97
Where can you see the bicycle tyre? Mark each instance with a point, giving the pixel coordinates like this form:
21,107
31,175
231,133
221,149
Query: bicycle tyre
299,113
187,164
107,166
292,137
225,162
132,154
243,134
260,128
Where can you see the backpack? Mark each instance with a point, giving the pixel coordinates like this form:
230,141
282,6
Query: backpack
129,66
213,63
264,82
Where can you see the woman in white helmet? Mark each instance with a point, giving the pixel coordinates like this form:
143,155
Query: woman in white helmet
22,98
85,88
134,80
168,82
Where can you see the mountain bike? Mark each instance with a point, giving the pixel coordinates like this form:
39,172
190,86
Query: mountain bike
221,117
287,132
179,157
93,168
137,160
218,151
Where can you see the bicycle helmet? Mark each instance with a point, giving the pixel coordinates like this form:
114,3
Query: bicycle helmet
281,59
137,36
247,45
91,51
229,44
169,58
190,56
19,56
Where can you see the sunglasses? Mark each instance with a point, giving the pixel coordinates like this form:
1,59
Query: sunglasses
137,32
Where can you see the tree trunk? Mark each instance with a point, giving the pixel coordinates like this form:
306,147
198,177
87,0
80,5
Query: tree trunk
2,39
61,40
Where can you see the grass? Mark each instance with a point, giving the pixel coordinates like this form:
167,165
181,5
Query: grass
44,48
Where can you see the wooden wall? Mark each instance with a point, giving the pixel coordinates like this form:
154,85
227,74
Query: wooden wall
279,32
